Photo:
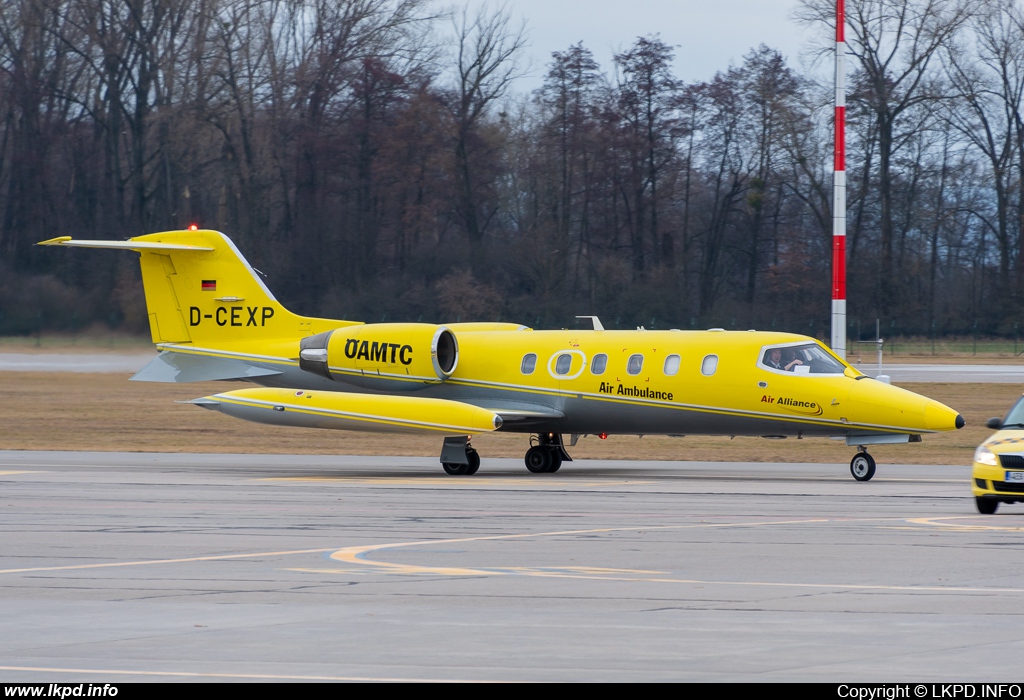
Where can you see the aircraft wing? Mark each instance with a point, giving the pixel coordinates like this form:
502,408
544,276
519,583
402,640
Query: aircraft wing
346,411
179,367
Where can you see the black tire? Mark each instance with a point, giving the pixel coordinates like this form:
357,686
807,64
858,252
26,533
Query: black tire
474,462
538,459
556,461
455,469
862,467
986,506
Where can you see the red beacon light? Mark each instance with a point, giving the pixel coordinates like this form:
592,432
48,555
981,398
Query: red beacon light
603,436
193,227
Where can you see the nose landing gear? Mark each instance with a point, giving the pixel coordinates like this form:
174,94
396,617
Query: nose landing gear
862,466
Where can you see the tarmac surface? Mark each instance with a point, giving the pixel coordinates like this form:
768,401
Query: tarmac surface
120,567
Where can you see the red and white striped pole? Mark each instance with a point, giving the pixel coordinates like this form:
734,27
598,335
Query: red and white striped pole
839,195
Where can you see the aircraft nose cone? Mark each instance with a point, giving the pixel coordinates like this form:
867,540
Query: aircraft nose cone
938,416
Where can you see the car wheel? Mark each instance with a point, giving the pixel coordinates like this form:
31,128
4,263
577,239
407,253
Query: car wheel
986,506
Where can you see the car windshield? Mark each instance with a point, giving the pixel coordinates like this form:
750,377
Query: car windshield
1015,418
808,358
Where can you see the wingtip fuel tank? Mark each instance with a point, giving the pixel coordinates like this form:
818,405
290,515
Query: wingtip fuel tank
346,411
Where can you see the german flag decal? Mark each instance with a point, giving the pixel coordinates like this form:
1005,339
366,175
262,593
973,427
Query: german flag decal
209,285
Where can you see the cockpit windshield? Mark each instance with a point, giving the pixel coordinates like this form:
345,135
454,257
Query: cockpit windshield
808,358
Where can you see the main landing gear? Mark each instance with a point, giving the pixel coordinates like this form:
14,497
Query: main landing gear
862,466
458,457
547,455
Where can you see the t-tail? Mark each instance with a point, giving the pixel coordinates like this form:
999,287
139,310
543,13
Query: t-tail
200,291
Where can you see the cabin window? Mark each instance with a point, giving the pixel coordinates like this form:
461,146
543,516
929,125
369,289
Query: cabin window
635,364
563,363
529,363
709,365
672,365
599,364
804,358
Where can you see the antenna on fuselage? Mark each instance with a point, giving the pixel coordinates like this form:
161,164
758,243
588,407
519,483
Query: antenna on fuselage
596,321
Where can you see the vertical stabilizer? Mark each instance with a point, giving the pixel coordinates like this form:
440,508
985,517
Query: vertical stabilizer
200,290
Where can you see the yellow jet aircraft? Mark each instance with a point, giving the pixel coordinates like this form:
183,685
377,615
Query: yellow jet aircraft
213,318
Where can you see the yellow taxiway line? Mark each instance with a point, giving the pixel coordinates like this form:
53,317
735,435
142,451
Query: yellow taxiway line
357,556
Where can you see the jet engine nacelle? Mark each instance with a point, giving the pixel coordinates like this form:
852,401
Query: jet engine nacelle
382,356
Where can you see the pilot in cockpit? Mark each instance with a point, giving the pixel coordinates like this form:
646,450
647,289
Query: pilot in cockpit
776,361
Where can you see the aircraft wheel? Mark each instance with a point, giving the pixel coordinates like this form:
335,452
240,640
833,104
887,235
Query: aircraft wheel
862,466
538,459
986,506
556,461
474,462
457,469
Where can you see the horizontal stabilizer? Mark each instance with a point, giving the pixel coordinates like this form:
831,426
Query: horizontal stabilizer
182,368
343,411
69,242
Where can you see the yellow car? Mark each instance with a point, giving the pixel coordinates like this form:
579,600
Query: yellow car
998,475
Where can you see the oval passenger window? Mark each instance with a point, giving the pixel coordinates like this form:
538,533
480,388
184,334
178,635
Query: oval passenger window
635,364
529,363
562,364
599,364
709,365
672,365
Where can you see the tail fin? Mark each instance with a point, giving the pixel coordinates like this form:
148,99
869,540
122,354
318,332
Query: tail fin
200,290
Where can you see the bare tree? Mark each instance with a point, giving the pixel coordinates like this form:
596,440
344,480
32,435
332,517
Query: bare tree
987,75
487,48
894,44
647,97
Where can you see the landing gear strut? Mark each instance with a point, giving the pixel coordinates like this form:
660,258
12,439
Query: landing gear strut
458,457
547,455
862,466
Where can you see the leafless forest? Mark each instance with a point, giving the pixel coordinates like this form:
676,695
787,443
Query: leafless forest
375,160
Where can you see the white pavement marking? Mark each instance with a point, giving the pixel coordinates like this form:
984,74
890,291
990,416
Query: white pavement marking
113,363
959,374
255,676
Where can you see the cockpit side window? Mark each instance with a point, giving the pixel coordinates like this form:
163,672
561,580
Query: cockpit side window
806,358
